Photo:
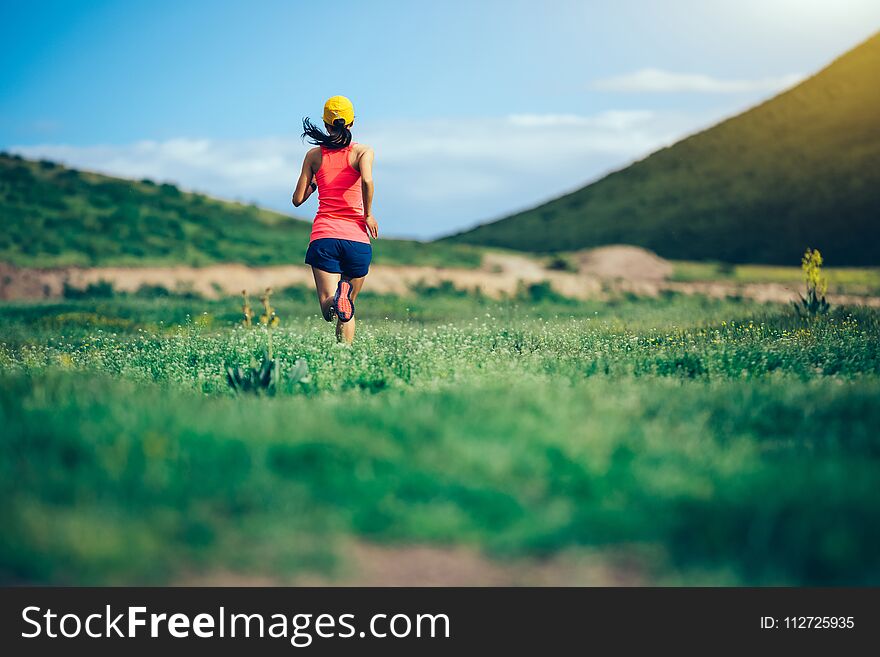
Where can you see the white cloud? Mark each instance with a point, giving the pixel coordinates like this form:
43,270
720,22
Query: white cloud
614,119
432,178
658,80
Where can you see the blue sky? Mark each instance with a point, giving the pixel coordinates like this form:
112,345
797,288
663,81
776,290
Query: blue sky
475,108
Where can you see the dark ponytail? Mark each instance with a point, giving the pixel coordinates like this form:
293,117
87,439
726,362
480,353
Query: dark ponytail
338,135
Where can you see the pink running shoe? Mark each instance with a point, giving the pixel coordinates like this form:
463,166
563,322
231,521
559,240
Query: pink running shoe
342,302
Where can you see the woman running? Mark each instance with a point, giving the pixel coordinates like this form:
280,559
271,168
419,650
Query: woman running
339,247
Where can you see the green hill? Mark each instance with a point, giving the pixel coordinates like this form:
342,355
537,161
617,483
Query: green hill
802,169
52,215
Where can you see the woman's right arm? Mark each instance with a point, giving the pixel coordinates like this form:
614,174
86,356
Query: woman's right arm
305,185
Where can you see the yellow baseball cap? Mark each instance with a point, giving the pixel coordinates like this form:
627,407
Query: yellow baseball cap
338,107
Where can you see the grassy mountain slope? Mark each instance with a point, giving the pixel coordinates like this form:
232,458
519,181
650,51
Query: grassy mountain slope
52,215
802,169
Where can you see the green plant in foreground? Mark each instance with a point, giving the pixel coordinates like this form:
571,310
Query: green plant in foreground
265,376
246,309
814,304
256,379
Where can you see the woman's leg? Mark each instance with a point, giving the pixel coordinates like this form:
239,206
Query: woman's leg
325,285
345,330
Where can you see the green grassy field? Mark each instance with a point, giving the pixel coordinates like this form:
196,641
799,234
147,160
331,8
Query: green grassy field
710,441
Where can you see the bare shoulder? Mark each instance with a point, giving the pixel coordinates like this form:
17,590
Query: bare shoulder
361,155
313,157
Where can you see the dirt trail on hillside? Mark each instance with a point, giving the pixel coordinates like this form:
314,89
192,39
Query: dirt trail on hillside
602,272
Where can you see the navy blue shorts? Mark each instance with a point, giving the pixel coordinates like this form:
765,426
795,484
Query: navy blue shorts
345,257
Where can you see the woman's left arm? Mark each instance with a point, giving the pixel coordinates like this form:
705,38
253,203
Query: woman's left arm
305,185
365,168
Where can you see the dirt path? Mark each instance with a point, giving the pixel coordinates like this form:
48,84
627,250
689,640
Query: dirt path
368,564
602,273
494,279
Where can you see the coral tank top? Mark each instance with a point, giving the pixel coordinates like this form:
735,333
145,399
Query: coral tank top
340,199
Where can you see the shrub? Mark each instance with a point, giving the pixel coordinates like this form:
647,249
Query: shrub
441,289
540,292
146,291
100,290
561,263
